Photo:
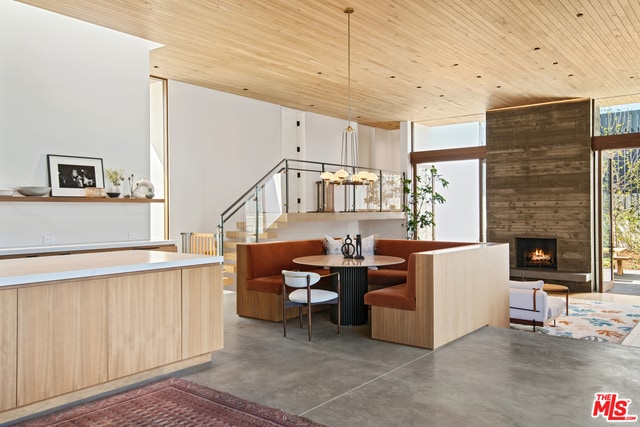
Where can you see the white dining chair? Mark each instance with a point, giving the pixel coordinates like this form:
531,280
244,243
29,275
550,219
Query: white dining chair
304,296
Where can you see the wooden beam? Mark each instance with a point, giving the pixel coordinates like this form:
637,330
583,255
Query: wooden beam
615,142
467,153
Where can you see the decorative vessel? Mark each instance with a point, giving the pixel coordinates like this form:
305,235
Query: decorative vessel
33,191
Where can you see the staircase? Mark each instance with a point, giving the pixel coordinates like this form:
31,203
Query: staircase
264,209
243,234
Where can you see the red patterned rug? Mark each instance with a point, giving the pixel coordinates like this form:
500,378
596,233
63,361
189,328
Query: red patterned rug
172,402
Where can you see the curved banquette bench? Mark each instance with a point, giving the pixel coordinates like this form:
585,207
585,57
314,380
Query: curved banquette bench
443,291
448,293
259,275
260,265
402,296
397,274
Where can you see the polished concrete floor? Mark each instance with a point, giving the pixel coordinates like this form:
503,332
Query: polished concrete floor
492,377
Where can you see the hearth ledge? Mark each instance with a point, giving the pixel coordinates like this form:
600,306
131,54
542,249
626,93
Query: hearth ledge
550,275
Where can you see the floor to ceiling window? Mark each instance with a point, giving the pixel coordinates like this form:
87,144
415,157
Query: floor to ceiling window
457,152
157,157
618,156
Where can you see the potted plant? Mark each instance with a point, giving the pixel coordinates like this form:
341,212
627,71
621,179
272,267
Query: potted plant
115,177
421,199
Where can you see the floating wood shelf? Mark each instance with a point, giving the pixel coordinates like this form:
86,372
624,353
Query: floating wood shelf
77,199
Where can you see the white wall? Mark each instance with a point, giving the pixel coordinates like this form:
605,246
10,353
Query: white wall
69,88
324,137
381,148
219,146
390,229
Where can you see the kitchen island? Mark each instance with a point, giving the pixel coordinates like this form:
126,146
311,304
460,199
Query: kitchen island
73,326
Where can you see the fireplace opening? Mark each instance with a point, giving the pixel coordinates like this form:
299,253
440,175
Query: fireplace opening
536,253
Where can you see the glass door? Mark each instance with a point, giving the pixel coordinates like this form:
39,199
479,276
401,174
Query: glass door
606,229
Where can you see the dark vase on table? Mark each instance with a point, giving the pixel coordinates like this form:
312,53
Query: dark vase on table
358,247
348,249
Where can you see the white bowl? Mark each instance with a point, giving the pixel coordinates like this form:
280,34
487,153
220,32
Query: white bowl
33,191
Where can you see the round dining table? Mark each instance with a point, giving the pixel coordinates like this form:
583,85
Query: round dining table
353,282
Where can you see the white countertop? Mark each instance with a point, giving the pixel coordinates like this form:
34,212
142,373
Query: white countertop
21,271
83,247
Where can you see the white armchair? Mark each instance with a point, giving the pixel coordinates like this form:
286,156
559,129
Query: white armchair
529,304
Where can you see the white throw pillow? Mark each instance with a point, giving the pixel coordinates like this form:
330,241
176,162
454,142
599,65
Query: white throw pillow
369,245
332,246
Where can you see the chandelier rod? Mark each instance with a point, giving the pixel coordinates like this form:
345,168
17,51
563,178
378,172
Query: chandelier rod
348,11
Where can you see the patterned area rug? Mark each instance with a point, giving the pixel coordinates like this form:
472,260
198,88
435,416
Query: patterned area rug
172,402
593,321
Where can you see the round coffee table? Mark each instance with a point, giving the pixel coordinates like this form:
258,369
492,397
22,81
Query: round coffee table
553,288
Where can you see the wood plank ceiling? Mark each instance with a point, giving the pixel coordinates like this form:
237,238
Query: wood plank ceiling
424,61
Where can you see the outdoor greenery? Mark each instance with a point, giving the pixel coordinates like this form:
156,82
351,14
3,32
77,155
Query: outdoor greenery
625,188
625,180
421,199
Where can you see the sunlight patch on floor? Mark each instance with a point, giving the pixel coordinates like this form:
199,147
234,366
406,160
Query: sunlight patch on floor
597,296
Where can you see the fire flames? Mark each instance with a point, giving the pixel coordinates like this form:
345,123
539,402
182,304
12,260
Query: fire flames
539,256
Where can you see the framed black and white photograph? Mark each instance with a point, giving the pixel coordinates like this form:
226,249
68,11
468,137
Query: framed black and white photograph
69,176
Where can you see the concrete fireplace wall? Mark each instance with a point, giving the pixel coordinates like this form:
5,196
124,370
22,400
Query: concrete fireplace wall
539,184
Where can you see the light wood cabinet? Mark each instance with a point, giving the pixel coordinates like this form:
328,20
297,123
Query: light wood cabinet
74,336
144,321
61,338
201,310
8,347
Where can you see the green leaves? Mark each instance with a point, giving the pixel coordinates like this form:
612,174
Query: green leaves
421,199
625,178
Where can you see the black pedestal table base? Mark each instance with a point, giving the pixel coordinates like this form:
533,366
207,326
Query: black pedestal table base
353,286
353,281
